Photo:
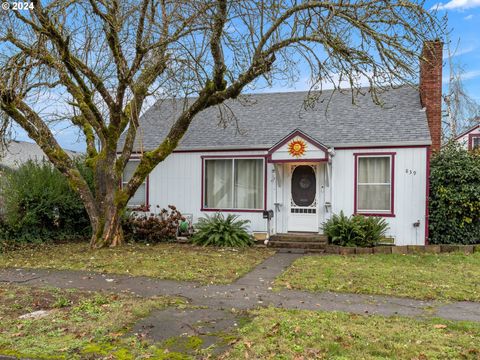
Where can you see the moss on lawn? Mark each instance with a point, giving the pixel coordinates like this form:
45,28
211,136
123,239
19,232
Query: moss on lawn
452,276
164,261
79,324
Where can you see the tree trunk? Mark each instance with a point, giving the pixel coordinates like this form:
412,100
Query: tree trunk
110,203
107,229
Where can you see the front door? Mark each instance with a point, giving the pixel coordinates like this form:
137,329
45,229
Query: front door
303,211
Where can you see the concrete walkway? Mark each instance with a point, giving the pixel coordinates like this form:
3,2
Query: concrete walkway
252,290
218,309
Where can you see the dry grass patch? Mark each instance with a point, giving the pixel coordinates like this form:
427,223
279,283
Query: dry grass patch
164,261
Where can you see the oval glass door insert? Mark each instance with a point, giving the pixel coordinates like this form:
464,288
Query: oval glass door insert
303,185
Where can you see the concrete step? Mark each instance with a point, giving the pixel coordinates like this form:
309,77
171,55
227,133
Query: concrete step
313,238
314,251
291,251
299,251
296,244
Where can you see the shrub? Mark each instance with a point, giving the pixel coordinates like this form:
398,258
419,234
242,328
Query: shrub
220,231
454,204
39,205
151,228
356,230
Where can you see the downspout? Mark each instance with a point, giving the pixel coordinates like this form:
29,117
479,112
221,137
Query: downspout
331,154
276,204
276,199
427,194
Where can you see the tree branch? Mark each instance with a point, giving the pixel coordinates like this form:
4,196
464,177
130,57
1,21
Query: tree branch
38,131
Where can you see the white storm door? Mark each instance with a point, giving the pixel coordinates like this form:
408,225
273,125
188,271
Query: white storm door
303,198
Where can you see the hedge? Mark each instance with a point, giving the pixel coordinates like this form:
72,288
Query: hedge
40,206
454,203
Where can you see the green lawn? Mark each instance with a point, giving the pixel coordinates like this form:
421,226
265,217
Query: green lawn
79,325
295,334
452,276
97,325
164,261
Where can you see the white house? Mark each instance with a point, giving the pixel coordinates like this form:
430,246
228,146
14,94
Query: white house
303,164
470,139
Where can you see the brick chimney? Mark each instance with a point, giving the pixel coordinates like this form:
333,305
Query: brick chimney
431,88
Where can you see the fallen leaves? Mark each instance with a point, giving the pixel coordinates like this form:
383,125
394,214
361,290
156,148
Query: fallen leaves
274,329
115,335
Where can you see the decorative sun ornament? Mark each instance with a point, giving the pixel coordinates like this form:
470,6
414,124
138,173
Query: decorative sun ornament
296,148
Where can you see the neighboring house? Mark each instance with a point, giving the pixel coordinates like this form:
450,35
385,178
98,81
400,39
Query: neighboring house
304,165
19,152
470,139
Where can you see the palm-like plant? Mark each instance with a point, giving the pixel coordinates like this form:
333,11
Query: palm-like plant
217,230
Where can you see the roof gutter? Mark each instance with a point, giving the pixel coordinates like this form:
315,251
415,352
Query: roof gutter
383,144
336,146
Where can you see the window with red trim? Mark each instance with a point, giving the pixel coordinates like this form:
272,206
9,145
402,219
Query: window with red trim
474,141
374,184
140,197
231,183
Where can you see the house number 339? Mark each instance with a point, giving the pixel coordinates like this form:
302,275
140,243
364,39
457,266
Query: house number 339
410,172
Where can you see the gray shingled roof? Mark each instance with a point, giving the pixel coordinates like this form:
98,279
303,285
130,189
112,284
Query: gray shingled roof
268,118
19,152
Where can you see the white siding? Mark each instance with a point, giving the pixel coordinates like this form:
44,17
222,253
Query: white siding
178,181
409,191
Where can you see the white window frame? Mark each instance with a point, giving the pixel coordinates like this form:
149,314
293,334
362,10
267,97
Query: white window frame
233,159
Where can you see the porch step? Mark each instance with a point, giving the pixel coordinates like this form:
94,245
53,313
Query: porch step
299,237
297,245
298,242
291,251
300,251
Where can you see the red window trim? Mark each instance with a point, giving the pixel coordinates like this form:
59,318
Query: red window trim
147,189
470,140
213,157
391,213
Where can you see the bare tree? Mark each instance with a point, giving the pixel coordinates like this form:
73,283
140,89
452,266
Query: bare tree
94,62
461,111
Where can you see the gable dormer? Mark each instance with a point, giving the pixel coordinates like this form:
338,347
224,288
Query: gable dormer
298,147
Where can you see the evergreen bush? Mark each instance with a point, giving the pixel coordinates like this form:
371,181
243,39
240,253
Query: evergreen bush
454,204
356,230
40,206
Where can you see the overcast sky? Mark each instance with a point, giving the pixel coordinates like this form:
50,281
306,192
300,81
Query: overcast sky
463,17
